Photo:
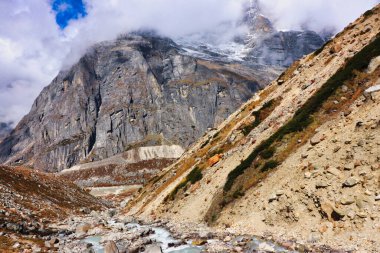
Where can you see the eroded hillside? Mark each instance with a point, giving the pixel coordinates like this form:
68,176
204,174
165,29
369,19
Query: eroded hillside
31,201
301,158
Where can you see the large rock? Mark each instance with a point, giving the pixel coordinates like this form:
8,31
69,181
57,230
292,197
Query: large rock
111,247
82,229
153,249
350,182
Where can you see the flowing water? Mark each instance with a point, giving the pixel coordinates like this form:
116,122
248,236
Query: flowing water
164,238
95,241
160,235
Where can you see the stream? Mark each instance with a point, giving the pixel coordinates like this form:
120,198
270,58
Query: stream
160,235
163,238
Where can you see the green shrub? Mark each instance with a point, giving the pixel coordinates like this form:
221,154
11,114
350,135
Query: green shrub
269,165
194,176
247,129
268,153
176,190
267,104
368,13
205,143
237,194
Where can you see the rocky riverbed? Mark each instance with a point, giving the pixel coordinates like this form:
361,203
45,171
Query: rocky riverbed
107,232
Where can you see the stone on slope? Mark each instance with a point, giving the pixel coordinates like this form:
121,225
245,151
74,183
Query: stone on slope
111,247
350,182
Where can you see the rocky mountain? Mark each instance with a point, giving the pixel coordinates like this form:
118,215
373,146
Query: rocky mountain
145,90
295,168
259,43
299,162
136,91
5,129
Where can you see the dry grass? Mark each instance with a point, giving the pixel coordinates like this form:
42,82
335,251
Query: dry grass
58,197
7,242
288,73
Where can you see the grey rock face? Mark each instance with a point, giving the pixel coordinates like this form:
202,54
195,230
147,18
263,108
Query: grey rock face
283,48
265,45
136,91
260,45
5,129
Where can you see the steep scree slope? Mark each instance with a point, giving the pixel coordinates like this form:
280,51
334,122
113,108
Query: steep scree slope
300,159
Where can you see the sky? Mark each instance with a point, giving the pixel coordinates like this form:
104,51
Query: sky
38,38
67,10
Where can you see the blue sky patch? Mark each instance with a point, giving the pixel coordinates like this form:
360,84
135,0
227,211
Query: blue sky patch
67,10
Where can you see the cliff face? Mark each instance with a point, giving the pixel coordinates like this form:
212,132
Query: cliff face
259,45
5,129
300,160
283,48
268,46
136,91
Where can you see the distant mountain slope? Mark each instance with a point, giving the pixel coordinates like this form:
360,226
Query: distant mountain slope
259,45
5,129
299,161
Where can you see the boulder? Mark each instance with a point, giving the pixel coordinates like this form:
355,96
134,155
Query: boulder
272,198
347,200
266,247
315,140
349,166
111,247
153,249
215,159
321,184
350,182
331,212
83,228
227,239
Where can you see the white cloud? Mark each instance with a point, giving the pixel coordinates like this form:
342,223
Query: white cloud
33,48
107,19
29,55
315,15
